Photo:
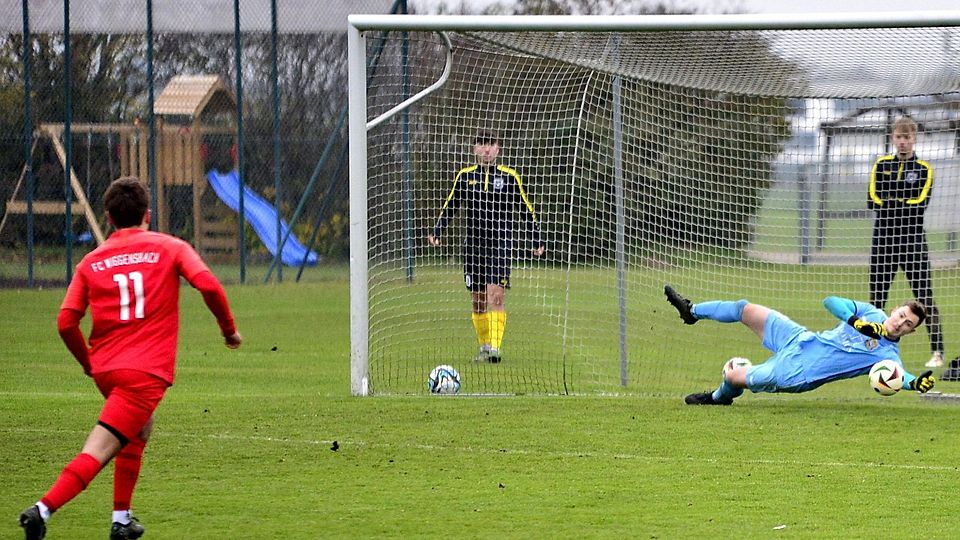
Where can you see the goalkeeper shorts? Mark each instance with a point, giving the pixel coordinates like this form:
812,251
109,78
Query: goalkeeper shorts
782,372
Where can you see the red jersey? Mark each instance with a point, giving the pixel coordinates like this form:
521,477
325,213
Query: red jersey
132,284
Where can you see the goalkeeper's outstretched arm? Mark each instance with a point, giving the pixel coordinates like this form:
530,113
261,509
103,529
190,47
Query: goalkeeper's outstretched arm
847,310
841,308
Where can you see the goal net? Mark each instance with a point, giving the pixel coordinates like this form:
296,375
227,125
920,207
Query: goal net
728,156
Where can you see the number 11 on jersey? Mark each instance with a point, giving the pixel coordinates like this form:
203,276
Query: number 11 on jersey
123,283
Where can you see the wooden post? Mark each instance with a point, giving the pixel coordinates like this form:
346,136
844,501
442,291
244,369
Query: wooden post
160,195
199,184
75,184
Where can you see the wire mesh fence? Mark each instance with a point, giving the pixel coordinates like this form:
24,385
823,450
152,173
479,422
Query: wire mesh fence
218,106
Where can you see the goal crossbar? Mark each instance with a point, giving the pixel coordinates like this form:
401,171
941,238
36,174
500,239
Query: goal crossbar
652,23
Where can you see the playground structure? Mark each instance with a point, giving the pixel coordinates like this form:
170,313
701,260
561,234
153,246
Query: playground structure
191,110
43,175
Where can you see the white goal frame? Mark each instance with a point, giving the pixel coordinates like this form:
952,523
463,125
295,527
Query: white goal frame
359,124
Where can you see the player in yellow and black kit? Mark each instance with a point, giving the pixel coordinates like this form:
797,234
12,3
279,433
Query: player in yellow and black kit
899,192
496,208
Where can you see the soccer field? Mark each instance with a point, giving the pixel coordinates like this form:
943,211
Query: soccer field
243,446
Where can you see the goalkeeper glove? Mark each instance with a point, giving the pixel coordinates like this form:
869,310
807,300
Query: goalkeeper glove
867,328
924,383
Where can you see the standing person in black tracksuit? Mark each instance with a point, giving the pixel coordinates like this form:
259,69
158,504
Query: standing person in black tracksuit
899,192
496,208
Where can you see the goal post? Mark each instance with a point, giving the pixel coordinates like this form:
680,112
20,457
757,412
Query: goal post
728,155
359,310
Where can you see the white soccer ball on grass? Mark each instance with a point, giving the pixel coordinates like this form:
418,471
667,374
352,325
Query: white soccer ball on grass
443,380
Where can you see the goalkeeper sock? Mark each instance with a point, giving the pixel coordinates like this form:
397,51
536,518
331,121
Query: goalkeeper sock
726,392
720,310
498,321
481,322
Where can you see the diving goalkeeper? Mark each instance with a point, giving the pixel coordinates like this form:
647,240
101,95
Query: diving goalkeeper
803,360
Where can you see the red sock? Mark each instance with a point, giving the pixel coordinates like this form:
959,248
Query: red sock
76,476
126,471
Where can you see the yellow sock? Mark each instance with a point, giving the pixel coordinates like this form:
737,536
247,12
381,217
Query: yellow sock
481,322
498,321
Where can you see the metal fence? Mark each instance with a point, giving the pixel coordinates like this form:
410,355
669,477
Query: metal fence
232,112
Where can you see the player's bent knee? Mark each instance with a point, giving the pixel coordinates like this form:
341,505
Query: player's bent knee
102,443
754,316
495,297
737,377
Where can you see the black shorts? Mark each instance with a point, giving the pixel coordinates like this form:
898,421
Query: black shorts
489,266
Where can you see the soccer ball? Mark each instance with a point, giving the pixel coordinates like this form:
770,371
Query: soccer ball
443,380
886,377
734,363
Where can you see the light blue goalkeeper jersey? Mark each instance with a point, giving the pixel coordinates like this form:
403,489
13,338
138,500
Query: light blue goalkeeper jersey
842,352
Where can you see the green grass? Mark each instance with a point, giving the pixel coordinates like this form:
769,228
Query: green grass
242,444
544,357
778,225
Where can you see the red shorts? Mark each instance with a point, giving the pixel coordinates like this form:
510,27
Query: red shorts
132,396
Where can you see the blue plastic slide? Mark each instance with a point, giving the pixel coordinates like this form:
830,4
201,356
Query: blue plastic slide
262,217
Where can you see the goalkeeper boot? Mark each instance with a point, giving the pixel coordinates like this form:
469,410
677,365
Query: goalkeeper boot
483,356
494,356
704,398
682,305
936,360
121,531
34,528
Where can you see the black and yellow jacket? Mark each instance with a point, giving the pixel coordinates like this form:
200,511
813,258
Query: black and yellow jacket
900,188
494,204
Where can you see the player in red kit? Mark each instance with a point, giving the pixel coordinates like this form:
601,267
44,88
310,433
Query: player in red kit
131,283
